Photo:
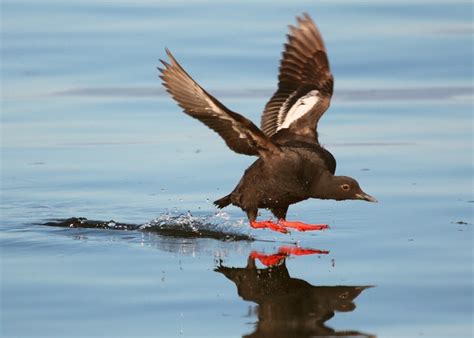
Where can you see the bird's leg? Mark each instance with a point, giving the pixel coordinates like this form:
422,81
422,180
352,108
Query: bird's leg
300,226
252,216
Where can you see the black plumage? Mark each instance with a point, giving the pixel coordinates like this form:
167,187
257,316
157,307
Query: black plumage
292,165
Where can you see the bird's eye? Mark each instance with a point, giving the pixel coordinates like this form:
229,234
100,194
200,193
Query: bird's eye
345,187
344,295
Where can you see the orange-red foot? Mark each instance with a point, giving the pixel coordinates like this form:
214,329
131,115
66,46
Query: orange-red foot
300,226
268,224
268,260
297,251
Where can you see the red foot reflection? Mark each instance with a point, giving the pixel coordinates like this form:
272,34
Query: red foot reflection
283,253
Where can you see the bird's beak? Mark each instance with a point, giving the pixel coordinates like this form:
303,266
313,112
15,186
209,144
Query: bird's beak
366,197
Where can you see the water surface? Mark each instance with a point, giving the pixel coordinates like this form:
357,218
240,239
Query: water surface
87,131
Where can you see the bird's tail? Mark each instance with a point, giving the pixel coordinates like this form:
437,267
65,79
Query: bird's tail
223,202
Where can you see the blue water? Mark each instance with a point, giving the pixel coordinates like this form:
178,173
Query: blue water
88,131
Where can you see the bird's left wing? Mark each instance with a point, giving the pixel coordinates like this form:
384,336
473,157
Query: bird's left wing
239,133
305,84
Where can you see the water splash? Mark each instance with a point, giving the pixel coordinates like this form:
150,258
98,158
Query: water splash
218,226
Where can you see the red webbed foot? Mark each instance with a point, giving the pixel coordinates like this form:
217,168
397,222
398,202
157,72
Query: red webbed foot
268,224
300,226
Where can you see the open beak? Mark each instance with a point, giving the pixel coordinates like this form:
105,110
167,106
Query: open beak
366,197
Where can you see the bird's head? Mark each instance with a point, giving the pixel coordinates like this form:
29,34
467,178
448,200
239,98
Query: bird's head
341,188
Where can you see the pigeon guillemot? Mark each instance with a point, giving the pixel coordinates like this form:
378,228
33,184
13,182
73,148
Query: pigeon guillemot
292,165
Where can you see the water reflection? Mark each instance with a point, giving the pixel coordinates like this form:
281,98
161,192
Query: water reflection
290,307
287,307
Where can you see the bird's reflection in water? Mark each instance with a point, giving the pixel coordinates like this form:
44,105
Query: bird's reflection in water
290,307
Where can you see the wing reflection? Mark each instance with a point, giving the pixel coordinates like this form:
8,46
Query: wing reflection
290,307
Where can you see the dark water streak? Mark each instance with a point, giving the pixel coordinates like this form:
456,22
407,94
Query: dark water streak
171,227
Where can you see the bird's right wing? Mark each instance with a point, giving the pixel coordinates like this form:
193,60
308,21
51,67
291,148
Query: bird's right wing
239,133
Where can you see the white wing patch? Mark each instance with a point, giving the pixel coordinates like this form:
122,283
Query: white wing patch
301,107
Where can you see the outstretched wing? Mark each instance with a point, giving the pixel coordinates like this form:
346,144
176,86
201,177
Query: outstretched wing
239,133
305,83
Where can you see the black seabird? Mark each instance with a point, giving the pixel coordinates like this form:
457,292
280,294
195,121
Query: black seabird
292,165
